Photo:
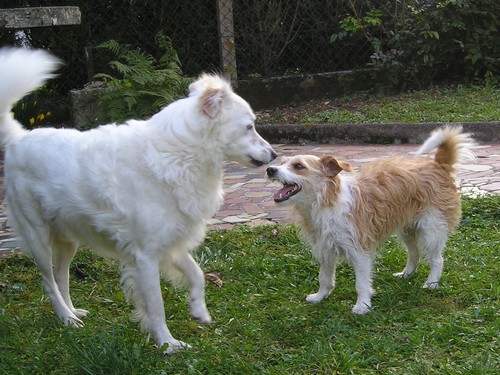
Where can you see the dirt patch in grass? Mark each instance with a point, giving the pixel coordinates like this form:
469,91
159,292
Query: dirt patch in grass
300,112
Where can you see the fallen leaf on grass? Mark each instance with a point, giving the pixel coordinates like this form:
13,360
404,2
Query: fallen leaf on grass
214,277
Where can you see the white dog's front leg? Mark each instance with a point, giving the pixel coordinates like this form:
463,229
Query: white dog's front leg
328,263
149,303
362,263
196,279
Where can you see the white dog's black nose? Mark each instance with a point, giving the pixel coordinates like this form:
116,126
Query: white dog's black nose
274,155
271,171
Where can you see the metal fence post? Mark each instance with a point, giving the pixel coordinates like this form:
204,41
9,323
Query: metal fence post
227,46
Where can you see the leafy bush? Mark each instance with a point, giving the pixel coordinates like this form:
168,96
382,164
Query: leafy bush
418,42
144,85
28,111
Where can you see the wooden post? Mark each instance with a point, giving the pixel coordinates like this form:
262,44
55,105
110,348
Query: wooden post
23,18
227,46
89,62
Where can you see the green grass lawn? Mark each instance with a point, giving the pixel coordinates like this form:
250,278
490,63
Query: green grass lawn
262,325
439,104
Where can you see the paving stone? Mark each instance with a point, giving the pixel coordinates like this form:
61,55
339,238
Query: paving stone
226,212
238,200
237,185
255,185
214,221
491,187
476,167
257,194
258,180
235,219
252,208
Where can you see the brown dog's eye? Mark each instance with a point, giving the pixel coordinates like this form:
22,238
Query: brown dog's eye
298,166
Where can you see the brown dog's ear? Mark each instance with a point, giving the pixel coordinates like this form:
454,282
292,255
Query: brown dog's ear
283,159
333,167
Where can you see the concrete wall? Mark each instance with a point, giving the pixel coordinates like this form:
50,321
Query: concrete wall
414,133
260,93
273,92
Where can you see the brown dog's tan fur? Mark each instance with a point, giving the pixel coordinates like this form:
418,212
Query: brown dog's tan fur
392,193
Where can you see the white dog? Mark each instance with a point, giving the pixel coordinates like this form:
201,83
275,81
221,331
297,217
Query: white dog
339,214
140,192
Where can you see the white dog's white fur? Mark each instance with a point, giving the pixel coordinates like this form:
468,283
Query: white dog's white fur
140,192
345,215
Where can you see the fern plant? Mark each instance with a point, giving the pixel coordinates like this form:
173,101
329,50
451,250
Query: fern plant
142,85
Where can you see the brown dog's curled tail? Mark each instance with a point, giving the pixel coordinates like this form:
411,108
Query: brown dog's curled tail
452,145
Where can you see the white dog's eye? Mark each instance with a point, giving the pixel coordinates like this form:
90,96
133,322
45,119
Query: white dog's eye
249,126
298,166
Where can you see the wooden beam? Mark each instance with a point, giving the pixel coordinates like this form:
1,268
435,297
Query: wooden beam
226,39
24,18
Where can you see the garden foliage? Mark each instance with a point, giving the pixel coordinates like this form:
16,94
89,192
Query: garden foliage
142,85
418,42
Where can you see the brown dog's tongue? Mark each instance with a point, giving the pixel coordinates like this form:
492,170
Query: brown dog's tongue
284,193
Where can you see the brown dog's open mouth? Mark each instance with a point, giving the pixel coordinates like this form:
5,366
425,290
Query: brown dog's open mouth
288,190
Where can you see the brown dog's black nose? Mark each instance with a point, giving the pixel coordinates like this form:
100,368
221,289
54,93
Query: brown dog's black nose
271,171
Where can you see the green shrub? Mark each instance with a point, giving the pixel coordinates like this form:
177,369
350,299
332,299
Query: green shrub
143,85
29,112
416,43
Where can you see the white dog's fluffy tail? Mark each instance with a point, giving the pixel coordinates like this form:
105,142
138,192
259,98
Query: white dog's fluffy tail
21,71
452,145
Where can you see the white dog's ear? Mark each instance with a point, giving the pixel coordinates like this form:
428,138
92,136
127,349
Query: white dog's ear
211,101
333,167
200,84
212,91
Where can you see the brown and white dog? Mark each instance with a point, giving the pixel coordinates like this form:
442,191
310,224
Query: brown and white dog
346,215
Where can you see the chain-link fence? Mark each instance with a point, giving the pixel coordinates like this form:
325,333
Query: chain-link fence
271,38
284,37
409,43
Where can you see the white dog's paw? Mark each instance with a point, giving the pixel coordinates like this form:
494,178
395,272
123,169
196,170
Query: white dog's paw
402,274
361,309
316,297
431,285
205,319
72,321
200,314
80,313
176,346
